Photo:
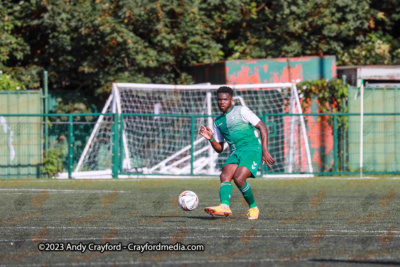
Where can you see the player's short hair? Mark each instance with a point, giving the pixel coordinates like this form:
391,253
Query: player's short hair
225,89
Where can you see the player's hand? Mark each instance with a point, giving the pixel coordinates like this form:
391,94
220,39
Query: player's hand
267,158
206,132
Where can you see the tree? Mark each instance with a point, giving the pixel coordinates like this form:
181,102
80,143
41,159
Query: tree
13,50
87,45
91,44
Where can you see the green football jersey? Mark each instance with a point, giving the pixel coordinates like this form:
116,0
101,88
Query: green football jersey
236,128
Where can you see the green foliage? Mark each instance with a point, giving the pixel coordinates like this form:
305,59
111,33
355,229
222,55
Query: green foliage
53,161
331,94
331,97
29,76
9,84
295,28
12,44
72,103
87,45
376,49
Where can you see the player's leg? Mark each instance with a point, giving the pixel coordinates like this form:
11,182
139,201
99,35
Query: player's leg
248,167
225,191
240,177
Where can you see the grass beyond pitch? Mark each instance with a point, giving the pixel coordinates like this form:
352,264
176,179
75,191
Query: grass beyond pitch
318,222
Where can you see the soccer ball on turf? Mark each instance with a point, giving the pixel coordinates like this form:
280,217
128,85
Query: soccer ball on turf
188,200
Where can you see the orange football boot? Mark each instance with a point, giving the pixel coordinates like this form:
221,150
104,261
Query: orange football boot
220,210
252,214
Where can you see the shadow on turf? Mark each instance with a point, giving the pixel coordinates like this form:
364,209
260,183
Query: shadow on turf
356,261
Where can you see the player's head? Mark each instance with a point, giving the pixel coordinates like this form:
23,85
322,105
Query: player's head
225,100
225,89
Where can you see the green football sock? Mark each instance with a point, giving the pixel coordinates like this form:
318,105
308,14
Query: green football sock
248,195
225,192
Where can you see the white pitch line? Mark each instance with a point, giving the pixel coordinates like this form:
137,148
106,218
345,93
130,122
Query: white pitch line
65,191
73,181
172,237
326,178
198,228
159,262
148,179
359,178
188,178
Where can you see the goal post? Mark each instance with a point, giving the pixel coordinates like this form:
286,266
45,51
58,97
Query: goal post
158,130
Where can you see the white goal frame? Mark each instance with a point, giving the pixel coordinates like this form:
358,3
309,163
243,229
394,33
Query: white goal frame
114,102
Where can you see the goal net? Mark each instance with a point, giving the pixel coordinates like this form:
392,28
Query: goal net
159,124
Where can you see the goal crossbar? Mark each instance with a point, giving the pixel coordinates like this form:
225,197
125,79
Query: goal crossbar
180,160
197,87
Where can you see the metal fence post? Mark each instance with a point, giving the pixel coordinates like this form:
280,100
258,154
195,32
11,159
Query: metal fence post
46,111
335,143
70,144
121,144
115,148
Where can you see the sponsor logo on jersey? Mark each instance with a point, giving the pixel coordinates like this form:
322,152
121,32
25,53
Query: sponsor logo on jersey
254,165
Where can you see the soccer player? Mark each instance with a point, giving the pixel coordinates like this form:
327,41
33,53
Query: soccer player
234,126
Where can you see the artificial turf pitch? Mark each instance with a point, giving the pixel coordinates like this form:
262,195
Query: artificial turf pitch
303,222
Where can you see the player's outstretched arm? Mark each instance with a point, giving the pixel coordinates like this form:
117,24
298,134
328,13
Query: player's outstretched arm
208,134
266,157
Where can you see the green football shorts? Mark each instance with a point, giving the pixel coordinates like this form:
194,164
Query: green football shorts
251,159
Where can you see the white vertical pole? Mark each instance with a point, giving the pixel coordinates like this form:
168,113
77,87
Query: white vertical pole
127,160
291,141
361,128
303,128
210,124
113,105
93,134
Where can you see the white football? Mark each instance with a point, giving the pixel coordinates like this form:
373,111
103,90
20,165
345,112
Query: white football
188,200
